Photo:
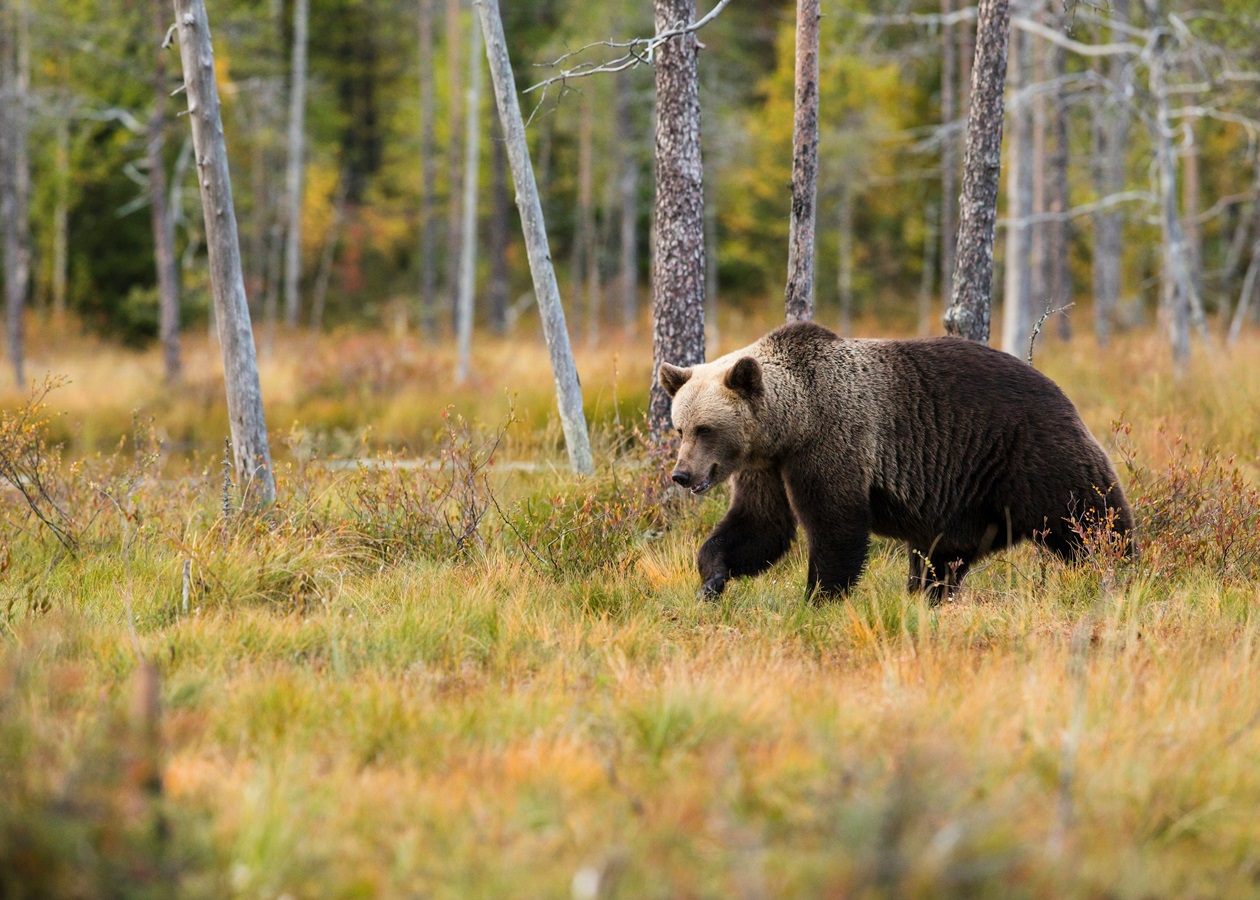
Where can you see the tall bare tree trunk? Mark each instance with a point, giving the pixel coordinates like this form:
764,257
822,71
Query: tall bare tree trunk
627,140
568,389
454,174
969,309
1058,199
1176,285
468,218
293,171
15,183
499,212
1111,129
61,220
949,165
712,335
1190,206
583,221
1017,298
163,233
844,257
800,279
428,275
255,478
678,276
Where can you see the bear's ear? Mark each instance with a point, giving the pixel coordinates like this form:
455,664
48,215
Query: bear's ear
672,378
744,378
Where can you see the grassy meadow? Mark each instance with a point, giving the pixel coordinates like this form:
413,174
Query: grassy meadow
482,676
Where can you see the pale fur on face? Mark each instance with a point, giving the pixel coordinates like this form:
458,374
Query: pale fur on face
714,420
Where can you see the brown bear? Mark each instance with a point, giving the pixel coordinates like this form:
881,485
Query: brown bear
955,448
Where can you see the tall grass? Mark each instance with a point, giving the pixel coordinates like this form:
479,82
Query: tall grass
480,679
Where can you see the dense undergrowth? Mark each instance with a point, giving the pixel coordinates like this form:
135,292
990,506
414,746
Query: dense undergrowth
472,674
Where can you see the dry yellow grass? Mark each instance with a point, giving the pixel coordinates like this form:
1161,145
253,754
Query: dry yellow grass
345,717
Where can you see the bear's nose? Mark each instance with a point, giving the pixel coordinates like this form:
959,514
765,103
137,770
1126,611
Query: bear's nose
681,478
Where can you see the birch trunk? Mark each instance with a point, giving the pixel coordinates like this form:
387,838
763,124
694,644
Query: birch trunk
1176,285
970,298
1017,298
499,212
61,220
468,217
629,203
255,478
15,189
800,279
551,312
678,254
454,175
163,233
293,170
1112,137
949,165
428,276
583,226
1058,198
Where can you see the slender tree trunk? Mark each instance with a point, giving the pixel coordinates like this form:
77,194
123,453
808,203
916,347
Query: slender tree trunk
678,279
1017,300
1038,237
800,280
329,253
1112,136
929,269
1058,198
293,171
468,218
568,389
1190,206
583,225
255,478
15,191
428,244
1176,285
499,212
61,221
970,298
163,233
949,165
454,174
629,203
844,257
1246,295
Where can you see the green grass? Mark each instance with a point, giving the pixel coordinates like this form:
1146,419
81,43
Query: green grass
357,704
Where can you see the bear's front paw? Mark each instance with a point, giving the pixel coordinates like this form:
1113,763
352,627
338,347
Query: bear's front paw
712,587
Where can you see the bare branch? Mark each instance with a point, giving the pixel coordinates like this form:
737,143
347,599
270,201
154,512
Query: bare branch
638,52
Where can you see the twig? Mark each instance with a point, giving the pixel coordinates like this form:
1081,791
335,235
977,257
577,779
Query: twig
1032,338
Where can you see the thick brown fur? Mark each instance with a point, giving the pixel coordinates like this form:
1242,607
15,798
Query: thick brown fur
955,448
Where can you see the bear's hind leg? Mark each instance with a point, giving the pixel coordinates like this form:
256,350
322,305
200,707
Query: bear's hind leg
755,533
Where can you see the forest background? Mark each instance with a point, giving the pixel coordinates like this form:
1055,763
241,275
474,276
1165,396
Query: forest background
475,673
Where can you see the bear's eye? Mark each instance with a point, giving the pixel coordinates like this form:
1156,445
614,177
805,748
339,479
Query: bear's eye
703,431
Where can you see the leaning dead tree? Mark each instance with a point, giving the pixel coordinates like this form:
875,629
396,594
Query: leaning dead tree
568,390
236,340
969,309
678,276
800,278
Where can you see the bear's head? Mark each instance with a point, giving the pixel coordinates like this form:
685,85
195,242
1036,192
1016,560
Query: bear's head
714,414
